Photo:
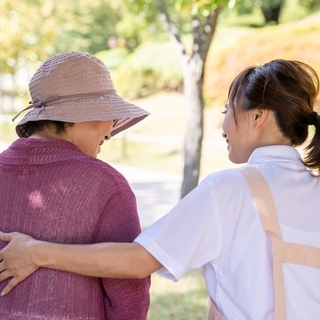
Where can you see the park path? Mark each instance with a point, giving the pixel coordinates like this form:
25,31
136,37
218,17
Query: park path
156,191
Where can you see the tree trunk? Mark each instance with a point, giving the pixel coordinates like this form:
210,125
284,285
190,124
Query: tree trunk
271,14
193,84
193,75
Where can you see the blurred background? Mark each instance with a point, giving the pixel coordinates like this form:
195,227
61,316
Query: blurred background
153,50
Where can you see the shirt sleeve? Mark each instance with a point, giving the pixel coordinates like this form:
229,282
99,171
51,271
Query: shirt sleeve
187,237
129,298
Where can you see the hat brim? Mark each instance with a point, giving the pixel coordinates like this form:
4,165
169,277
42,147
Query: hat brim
102,108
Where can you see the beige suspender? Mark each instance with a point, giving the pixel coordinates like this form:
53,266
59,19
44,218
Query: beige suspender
268,215
213,313
308,256
282,252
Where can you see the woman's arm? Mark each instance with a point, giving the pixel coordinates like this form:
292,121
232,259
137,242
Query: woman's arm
24,255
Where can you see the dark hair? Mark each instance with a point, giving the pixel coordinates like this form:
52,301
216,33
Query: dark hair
289,89
35,126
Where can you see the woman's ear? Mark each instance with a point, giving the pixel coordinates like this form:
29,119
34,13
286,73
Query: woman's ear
260,116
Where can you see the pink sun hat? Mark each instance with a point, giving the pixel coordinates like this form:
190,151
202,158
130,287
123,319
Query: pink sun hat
77,87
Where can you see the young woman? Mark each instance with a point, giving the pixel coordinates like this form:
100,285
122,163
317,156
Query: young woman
255,230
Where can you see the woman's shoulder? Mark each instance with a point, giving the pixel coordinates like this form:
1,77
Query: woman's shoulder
226,177
104,169
226,186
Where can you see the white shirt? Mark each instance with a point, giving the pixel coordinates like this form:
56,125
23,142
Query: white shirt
217,227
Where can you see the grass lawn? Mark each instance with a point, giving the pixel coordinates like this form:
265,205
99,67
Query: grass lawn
183,300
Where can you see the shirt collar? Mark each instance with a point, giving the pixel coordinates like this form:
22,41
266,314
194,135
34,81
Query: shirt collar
275,153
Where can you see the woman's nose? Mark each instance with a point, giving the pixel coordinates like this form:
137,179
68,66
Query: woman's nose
224,135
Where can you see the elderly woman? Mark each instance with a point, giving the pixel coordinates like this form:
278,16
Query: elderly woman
54,188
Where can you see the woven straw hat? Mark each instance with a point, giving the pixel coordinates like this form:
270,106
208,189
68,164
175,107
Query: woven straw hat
77,87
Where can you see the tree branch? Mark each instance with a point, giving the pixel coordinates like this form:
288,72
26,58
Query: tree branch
171,29
208,31
196,34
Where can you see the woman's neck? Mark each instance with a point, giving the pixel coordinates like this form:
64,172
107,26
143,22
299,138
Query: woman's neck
48,134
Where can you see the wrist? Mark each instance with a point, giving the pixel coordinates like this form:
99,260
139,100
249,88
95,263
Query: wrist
40,253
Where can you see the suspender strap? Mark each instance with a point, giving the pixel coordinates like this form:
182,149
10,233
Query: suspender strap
213,313
307,256
282,252
268,214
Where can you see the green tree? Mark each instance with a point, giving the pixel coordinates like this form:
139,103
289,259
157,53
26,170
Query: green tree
273,9
197,19
137,26
270,9
309,6
33,30
21,44
19,36
85,25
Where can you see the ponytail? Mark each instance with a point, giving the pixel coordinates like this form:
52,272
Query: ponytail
312,159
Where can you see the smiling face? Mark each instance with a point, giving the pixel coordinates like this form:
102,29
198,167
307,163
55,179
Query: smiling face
90,135
237,130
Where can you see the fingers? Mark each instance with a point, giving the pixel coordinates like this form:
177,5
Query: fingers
16,279
7,236
16,260
4,276
10,286
2,267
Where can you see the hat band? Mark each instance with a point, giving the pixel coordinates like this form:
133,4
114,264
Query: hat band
37,103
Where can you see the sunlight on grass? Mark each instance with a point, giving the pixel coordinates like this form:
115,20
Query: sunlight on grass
183,300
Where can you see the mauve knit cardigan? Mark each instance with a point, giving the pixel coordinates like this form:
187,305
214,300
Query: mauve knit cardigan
52,191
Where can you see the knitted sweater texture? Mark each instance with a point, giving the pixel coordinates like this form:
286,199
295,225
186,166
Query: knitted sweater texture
52,191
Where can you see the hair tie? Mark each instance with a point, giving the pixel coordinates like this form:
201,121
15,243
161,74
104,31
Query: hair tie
313,118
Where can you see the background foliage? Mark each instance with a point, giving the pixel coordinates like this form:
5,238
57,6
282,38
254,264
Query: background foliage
33,30
233,49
